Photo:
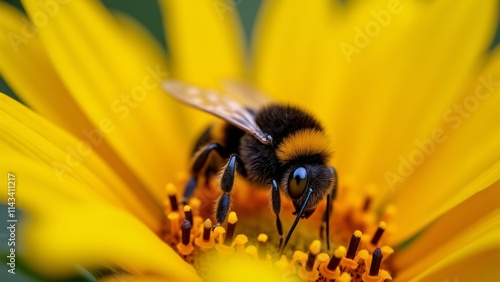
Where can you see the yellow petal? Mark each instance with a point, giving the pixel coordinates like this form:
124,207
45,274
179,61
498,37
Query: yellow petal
483,264
66,224
289,38
463,242
222,270
26,135
401,82
131,278
92,236
192,120
431,75
30,73
36,186
353,99
464,161
206,44
205,40
114,84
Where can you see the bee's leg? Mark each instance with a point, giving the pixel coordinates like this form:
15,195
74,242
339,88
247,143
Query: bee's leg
201,158
276,201
325,225
226,183
189,189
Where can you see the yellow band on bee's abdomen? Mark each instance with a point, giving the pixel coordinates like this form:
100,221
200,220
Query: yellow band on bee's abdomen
302,143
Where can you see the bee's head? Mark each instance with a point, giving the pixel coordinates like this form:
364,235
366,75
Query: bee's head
306,183
299,178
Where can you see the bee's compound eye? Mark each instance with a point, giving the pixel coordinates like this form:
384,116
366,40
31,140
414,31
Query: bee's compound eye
297,182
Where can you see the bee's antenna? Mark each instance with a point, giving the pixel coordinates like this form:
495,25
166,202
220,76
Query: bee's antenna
299,215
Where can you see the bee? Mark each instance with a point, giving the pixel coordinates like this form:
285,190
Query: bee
277,147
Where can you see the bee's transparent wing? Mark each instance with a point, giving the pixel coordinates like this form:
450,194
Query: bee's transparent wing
245,93
213,102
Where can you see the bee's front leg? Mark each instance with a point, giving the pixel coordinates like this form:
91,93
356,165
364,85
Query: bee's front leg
226,183
276,201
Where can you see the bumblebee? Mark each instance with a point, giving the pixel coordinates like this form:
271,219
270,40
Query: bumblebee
277,147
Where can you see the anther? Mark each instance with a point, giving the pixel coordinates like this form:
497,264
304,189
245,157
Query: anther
262,238
362,255
239,241
350,261
197,221
220,247
298,256
322,258
376,274
186,231
251,251
195,204
206,241
308,271
207,226
376,261
314,250
378,233
185,247
366,205
231,225
220,231
339,253
171,192
353,244
389,213
386,251
370,192
188,214
331,270
174,223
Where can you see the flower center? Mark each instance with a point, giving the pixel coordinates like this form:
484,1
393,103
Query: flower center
360,253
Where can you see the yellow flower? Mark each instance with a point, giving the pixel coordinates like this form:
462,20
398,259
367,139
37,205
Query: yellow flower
408,90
